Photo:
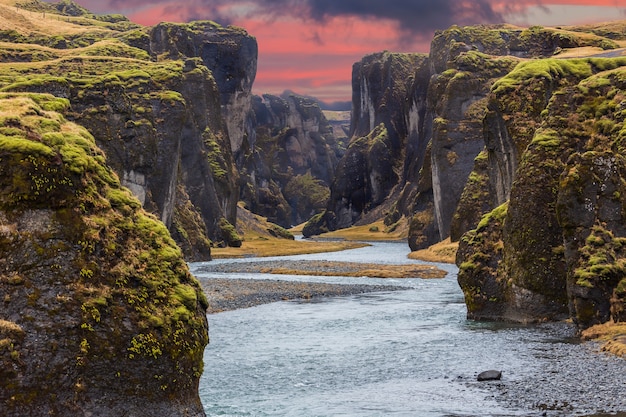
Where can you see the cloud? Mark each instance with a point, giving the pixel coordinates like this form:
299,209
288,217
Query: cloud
412,15
416,16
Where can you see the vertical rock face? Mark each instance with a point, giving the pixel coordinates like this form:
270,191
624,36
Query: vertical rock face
388,97
100,314
458,102
557,250
231,55
467,61
289,169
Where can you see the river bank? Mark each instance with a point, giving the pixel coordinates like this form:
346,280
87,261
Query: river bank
225,294
407,350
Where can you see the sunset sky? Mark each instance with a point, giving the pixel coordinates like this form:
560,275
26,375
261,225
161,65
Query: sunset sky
309,46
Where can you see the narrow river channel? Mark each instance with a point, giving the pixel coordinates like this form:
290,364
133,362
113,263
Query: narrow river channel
398,353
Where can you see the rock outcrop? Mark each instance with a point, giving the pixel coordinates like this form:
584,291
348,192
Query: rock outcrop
388,108
287,173
553,250
433,107
231,56
100,315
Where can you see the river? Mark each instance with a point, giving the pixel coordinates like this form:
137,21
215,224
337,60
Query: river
398,353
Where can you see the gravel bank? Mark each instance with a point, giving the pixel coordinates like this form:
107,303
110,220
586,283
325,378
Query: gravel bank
231,294
328,268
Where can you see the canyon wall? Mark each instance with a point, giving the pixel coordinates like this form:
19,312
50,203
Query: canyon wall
552,250
162,107
500,140
100,315
287,173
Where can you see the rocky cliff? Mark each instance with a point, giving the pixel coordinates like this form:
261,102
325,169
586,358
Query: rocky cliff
433,107
554,249
287,173
465,64
100,314
231,56
508,144
387,139
157,101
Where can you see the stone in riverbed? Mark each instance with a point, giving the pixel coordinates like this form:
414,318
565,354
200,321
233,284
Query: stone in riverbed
490,375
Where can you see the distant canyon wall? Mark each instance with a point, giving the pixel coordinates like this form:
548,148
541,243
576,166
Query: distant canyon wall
286,174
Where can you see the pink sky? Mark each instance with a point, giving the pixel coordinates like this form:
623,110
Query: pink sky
309,46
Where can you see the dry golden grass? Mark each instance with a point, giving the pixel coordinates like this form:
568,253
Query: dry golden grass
588,51
353,269
27,22
263,247
444,252
257,241
612,334
371,232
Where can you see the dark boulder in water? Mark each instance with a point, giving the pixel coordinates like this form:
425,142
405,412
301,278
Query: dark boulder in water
490,375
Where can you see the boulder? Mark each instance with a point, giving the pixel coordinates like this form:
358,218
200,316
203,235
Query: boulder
490,375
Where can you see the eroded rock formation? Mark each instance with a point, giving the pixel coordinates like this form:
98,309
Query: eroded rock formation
554,250
100,314
287,173
161,106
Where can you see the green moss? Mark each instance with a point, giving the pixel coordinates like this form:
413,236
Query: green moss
547,138
145,344
498,214
125,265
229,233
551,69
21,145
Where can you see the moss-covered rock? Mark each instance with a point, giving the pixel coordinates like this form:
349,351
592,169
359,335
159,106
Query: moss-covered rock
287,172
479,258
562,239
100,313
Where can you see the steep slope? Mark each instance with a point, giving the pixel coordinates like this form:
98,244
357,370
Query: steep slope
161,123
287,173
388,101
555,250
100,314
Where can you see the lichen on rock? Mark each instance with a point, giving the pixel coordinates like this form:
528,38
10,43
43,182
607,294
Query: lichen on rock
100,314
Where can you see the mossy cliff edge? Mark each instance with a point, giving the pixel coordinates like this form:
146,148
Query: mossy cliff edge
100,315
156,100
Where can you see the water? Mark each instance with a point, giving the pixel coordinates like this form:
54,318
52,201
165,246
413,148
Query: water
401,353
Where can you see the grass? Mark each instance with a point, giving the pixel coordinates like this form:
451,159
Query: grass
612,334
367,232
444,252
353,269
263,247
